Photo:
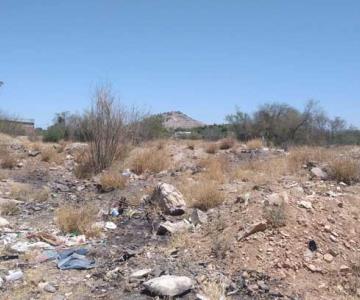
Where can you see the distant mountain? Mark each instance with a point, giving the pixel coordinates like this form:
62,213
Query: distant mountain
177,119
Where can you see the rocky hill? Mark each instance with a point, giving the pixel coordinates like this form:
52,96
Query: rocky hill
177,119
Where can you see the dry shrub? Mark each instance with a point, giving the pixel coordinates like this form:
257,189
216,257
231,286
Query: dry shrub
275,215
112,180
211,148
215,168
149,159
344,170
84,168
191,145
300,156
180,240
9,208
227,143
254,144
214,291
77,220
48,154
204,195
37,146
9,162
261,171
25,192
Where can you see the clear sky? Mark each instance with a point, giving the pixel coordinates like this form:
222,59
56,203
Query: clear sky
200,57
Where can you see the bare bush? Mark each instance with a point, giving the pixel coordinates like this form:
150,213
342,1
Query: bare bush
108,126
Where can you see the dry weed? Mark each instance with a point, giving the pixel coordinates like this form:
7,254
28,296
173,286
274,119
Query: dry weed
203,195
275,215
9,161
211,148
25,192
216,169
49,154
3,174
9,208
344,170
77,220
84,168
214,291
254,144
112,180
227,143
149,160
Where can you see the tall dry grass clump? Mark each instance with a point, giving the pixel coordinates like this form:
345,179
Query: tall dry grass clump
77,219
344,170
152,160
112,180
254,144
7,160
49,154
211,148
203,195
215,169
226,143
26,192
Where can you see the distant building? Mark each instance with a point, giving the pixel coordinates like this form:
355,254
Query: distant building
26,126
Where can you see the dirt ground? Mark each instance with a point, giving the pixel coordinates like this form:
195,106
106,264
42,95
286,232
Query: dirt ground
273,263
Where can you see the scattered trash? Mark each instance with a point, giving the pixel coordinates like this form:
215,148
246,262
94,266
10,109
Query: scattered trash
312,245
8,257
75,259
114,212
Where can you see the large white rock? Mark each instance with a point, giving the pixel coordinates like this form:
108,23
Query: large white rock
317,172
170,200
169,285
173,227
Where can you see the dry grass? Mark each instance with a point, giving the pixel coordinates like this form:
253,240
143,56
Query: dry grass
214,291
227,143
190,145
275,216
215,169
25,192
211,148
3,174
254,144
9,208
84,167
300,156
204,194
152,160
50,154
8,160
344,170
112,180
77,220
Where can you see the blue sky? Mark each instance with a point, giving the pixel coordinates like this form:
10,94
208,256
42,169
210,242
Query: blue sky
200,57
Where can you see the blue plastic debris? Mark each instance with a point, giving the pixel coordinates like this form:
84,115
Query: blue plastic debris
75,259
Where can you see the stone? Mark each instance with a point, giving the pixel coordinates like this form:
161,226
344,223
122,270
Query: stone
140,273
260,226
169,285
47,287
4,222
305,204
110,225
328,257
170,200
198,217
318,173
33,153
173,227
313,268
14,275
344,269
263,286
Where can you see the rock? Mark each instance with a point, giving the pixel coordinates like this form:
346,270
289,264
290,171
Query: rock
198,217
14,275
328,257
1,282
47,287
169,227
110,225
305,204
313,269
4,222
344,269
260,226
318,173
59,187
33,153
170,200
140,273
333,238
169,285
263,286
